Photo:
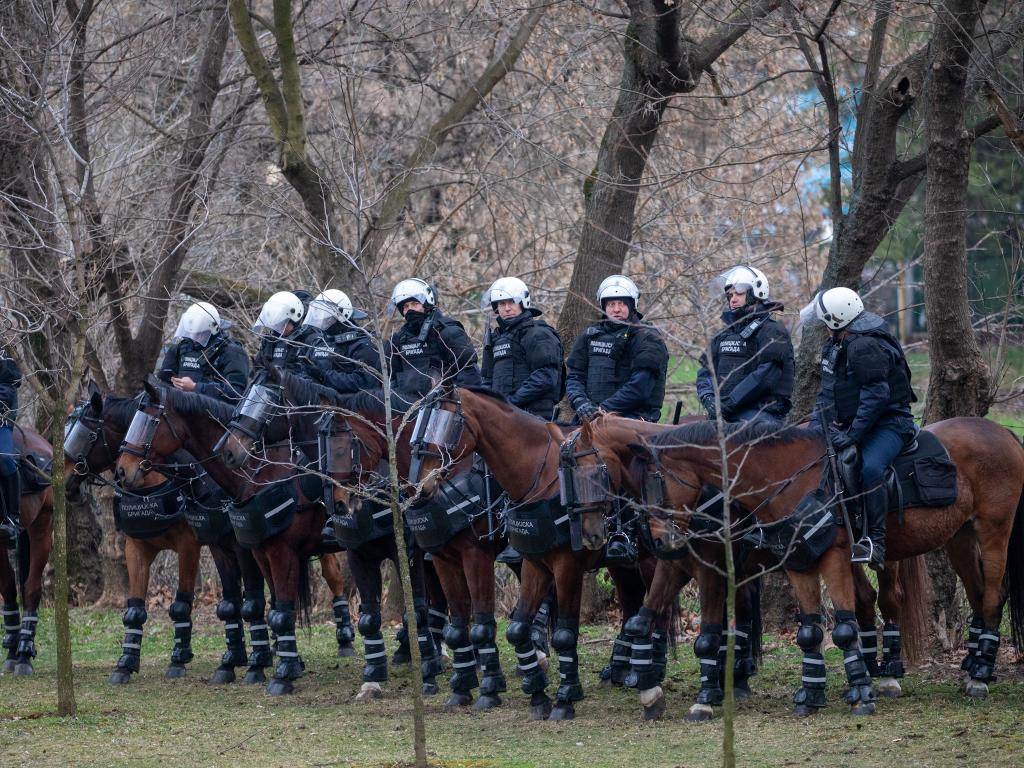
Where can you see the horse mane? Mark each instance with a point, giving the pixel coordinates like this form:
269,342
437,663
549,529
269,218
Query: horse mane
302,391
487,392
705,434
195,404
121,410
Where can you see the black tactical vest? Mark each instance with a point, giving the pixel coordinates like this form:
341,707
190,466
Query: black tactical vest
510,367
198,363
423,360
607,368
733,352
841,386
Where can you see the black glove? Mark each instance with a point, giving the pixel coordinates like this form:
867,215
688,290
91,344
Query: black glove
841,440
586,410
708,403
727,408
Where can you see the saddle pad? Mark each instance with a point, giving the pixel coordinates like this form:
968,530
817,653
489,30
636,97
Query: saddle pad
35,473
925,477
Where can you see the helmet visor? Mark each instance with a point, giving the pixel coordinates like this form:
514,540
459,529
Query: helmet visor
321,315
188,330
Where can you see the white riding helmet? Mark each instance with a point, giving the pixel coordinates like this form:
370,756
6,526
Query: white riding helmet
199,323
617,287
838,307
506,288
281,308
330,307
743,279
412,288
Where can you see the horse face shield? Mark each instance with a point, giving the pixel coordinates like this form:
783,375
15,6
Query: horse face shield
78,438
139,439
585,492
257,408
434,427
339,455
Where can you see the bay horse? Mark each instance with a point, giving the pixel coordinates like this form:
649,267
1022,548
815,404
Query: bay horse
771,470
522,452
171,421
32,552
95,431
303,405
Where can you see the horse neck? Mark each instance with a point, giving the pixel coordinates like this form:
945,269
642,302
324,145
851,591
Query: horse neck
614,435
202,435
520,450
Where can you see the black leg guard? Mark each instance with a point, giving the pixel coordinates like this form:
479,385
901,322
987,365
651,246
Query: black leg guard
26,650
402,654
845,635
438,621
618,665
343,630
464,679
892,651
811,696
483,635
376,669
180,613
973,633
744,666
518,635
540,625
12,625
706,648
133,618
430,659
869,648
563,641
253,607
282,623
985,660
638,629
229,611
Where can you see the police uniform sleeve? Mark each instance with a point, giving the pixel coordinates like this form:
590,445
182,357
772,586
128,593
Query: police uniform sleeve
576,380
869,364
649,363
363,375
233,367
456,340
705,384
487,360
544,358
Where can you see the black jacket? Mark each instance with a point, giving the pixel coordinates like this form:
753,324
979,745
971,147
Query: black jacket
522,360
620,367
220,369
344,358
10,380
753,359
428,349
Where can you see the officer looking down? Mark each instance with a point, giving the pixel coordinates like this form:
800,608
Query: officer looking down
522,357
751,357
618,364
205,359
284,341
340,354
865,402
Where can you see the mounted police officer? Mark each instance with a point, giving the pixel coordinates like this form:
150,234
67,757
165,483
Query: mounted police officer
430,346
752,357
865,402
341,354
10,483
205,358
619,363
284,338
522,357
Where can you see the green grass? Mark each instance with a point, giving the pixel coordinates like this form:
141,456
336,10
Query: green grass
152,722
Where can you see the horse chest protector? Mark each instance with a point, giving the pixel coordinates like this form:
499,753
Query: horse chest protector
266,514
449,511
537,528
149,515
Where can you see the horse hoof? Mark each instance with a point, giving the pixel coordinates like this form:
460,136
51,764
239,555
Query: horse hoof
650,695
174,672
457,701
741,694
889,687
563,711
976,689
346,651
655,711
863,708
802,710
369,691
430,689
9,665
255,676
223,676
280,687
23,668
542,660
486,702
540,711
119,677
700,713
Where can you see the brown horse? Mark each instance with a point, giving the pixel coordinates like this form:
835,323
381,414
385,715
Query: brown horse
771,470
357,447
171,421
522,452
32,552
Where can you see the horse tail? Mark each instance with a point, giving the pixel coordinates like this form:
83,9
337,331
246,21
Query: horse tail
305,592
912,606
675,620
756,620
1014,579
24,561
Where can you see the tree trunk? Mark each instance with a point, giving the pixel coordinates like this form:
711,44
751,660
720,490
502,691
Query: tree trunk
115,572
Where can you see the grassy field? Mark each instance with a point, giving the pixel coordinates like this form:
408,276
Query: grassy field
153,722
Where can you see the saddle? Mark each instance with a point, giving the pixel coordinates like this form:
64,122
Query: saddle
922,475
35,472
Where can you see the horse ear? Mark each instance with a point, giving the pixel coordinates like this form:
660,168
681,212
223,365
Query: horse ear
149,385
92,388
96,401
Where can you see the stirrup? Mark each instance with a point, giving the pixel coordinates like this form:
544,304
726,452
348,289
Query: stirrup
862,550
509,556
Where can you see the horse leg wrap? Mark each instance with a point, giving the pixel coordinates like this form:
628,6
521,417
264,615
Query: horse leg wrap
12,623
744,666
253,607
282,622
133,618
181,614
869,648
430,659
892,651
402,654
342,622
540,625
456,635
483,635
563,641
985,659
973,633
811,695
845,636
229,611
438,620
376,669
27,638
618,665
518,636
706,648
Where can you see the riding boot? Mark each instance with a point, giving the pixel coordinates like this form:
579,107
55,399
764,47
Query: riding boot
870,548
509,556
10,494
